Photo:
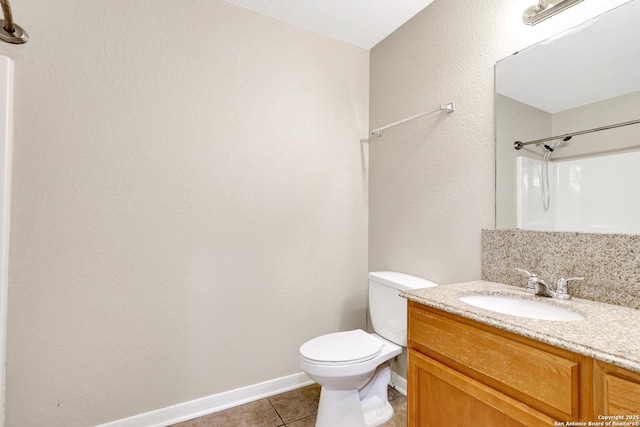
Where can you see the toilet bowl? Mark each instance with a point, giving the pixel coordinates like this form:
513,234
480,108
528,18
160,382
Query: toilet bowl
353,367
349,367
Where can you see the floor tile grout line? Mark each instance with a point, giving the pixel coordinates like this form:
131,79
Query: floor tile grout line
289,423
277,413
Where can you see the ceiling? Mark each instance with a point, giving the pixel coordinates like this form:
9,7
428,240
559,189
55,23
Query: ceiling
363,23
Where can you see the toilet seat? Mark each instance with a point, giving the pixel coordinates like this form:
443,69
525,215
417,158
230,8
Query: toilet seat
341,348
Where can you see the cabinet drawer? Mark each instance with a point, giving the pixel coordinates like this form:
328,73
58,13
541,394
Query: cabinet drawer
509,363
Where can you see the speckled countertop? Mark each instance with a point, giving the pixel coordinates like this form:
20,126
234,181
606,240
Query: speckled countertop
609,333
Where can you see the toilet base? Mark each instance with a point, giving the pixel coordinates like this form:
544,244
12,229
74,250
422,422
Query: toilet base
367,407
345,409
379,416
374,397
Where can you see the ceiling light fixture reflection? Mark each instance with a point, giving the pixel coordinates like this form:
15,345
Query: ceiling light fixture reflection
545,9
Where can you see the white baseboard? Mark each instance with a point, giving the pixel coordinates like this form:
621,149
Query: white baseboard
217,402
399,383
221,401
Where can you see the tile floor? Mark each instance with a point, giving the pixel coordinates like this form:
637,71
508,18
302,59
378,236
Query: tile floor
295,408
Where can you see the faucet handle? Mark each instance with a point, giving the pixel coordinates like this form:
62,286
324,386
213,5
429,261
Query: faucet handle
562,290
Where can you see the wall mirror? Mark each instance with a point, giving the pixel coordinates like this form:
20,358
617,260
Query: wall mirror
583,79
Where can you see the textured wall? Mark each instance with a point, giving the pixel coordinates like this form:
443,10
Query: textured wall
432,181
189,204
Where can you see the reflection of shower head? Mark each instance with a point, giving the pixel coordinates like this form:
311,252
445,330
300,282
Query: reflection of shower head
551,149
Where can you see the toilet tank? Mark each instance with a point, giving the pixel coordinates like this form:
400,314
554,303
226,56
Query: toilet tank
387,309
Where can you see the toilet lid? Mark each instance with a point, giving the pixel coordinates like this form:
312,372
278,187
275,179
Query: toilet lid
342,347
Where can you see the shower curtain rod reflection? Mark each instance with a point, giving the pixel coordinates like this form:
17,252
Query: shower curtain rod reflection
519,144
449,108
11,32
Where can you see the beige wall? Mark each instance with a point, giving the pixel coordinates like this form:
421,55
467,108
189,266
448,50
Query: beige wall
189,204
432,181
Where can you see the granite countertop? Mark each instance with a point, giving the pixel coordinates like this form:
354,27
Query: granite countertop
609,333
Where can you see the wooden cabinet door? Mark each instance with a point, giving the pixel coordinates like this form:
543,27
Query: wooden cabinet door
441,396
617,391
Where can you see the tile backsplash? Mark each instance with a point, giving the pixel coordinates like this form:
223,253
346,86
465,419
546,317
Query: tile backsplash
610,263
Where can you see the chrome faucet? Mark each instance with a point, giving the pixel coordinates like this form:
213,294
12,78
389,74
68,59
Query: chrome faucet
537,286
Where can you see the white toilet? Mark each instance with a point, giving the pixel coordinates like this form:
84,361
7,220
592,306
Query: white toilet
353,367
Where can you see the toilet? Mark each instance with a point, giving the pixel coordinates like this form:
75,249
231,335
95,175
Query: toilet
353,367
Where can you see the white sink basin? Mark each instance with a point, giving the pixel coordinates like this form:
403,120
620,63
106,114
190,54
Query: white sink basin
521,307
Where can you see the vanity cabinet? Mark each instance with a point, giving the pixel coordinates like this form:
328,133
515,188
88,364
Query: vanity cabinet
462,372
